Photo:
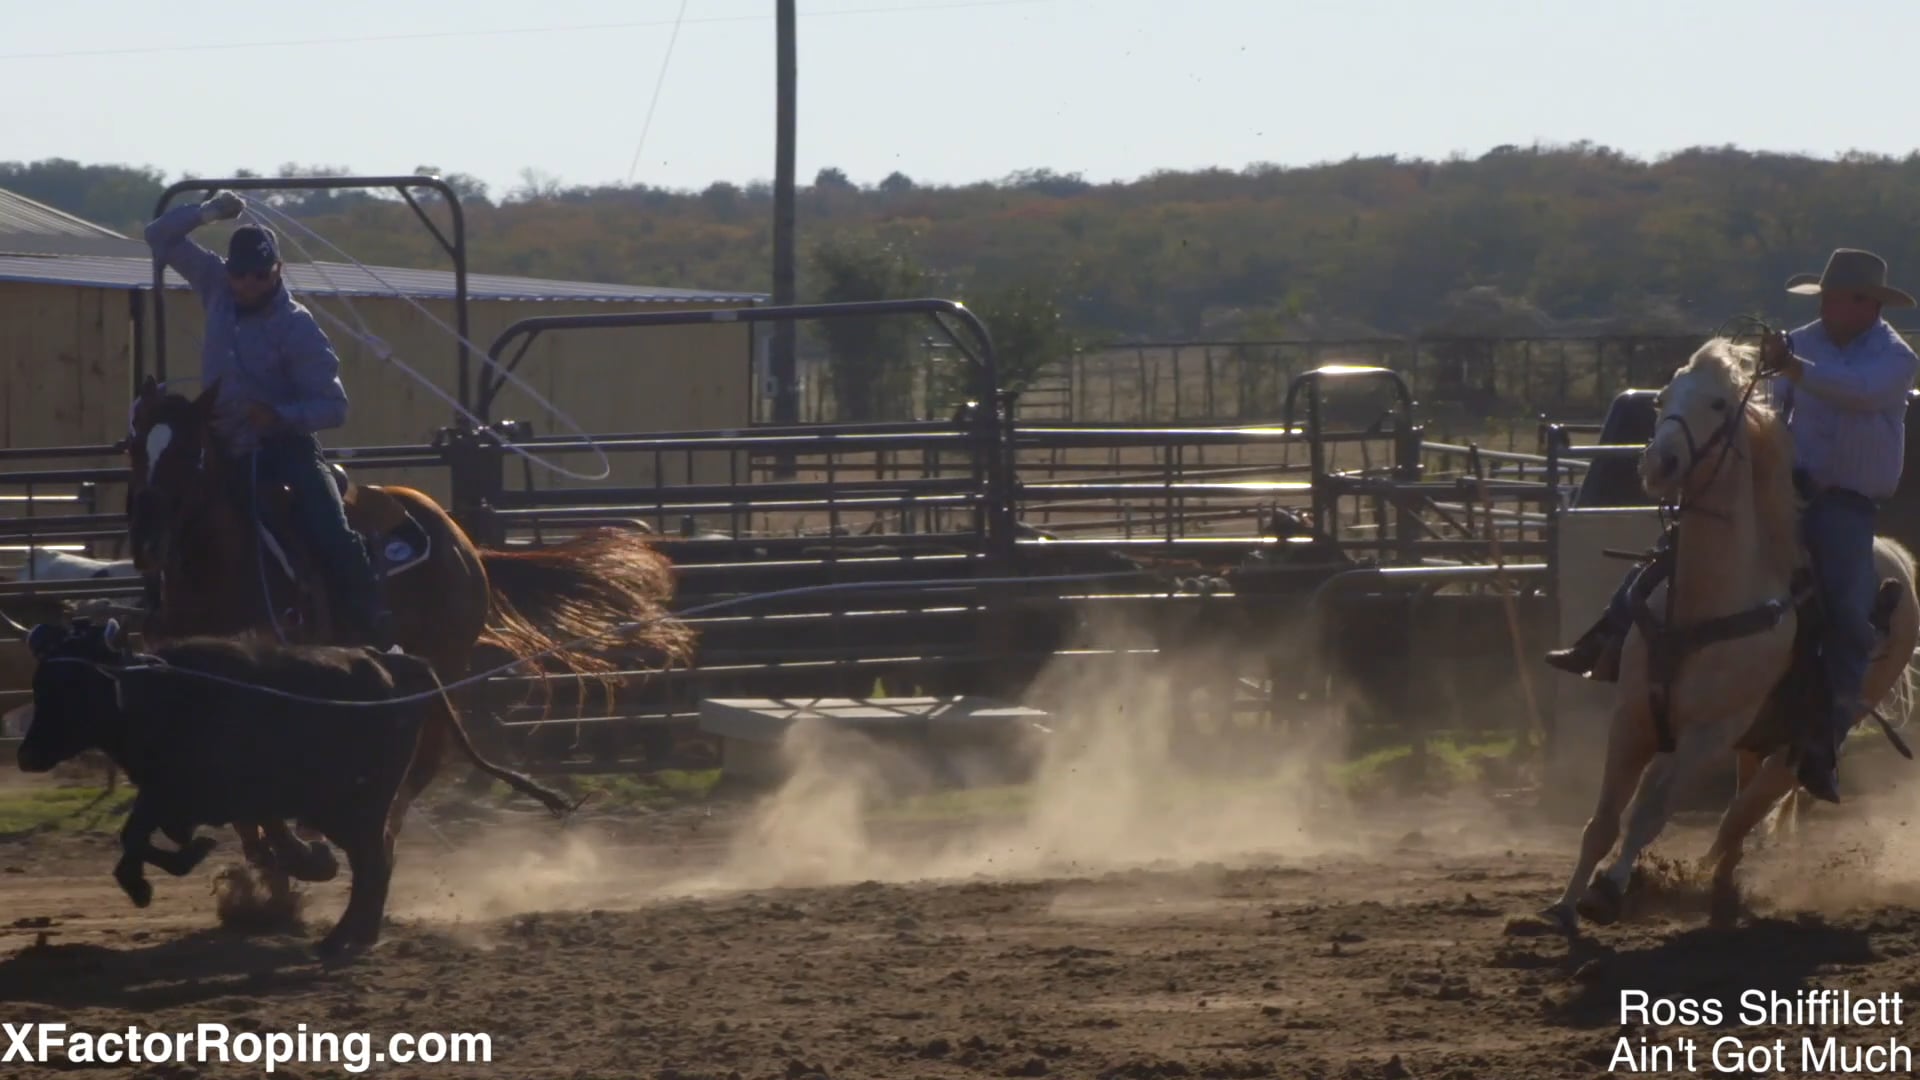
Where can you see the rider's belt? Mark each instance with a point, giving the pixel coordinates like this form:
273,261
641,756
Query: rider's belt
1809,490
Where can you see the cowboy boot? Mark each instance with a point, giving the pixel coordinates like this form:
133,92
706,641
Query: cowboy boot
1596,655
361,613
1819,766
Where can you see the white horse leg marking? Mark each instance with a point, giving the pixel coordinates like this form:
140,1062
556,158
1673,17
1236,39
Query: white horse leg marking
158,438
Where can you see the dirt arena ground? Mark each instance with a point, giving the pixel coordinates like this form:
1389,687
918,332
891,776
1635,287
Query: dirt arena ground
1099,929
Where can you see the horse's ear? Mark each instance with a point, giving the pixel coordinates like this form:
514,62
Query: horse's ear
112,636
203,405
149,386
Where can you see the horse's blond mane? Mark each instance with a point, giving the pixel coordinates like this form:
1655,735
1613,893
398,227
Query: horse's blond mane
1768,443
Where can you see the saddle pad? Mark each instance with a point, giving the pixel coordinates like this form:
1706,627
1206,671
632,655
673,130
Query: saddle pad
396,550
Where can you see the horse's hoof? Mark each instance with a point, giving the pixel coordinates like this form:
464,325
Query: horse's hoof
138,890
318,865
1561,917
1601,906
339,947
1724,911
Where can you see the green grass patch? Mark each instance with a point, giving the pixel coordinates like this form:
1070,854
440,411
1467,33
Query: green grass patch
1445,762
613,791
1441,763
80,808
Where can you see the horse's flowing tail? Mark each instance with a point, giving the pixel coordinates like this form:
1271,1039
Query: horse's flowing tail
546,597
1897,704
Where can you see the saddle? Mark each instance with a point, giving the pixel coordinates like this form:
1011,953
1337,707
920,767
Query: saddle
394,540
1800,694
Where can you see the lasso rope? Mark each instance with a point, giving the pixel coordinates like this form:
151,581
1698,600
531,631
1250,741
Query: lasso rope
152,663
385,352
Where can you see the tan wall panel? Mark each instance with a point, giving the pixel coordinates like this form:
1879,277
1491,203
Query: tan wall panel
670,378
66,361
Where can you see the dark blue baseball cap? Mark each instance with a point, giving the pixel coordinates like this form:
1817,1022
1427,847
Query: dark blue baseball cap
252,250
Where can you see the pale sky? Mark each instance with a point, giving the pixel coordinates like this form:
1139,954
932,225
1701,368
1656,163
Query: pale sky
943,90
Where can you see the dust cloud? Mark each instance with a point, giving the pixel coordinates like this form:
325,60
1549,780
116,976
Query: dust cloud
1118,780
1860,855
1111,789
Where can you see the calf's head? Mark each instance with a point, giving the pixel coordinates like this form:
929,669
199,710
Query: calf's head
75,703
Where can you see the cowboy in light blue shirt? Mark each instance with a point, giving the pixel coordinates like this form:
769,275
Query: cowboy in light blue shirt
279,386
1842,382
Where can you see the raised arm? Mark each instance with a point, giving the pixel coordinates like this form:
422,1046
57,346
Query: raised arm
168,236
315,370
1879,380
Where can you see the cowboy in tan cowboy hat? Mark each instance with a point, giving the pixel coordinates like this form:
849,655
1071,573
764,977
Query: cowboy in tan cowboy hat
1843,386
1842,382
1853,275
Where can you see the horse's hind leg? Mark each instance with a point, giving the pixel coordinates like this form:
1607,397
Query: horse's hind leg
1629,747
1773,779
301,860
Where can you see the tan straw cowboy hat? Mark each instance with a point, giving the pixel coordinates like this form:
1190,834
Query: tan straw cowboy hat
1851,270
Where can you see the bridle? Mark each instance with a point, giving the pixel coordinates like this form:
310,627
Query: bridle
1722,437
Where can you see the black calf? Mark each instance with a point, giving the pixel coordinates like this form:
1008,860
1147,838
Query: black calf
206,752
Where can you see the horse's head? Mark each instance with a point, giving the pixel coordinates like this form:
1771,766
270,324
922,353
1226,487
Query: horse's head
169,436
1699,416
72,700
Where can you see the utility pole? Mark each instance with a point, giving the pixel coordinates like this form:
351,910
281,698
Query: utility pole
786,399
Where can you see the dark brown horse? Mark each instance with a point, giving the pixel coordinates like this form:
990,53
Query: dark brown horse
220,573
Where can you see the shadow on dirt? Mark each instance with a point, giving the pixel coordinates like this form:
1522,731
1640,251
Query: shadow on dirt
1768,955
182,971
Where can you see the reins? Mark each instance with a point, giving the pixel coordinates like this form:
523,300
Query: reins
1667,644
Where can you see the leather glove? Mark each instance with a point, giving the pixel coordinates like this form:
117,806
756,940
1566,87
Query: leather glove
1775,353
223,206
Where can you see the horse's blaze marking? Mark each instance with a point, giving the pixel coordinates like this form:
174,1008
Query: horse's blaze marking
158,439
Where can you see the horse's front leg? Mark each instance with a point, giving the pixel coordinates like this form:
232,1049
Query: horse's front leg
1652,806
1696,744
1773,778
1629,747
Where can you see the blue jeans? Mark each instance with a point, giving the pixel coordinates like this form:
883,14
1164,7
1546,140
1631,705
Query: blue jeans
295,459
1838,528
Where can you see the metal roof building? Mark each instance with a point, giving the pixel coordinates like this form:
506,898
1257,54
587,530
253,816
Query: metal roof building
47,246
31,228
80,323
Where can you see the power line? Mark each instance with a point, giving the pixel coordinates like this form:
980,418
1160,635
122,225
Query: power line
437,35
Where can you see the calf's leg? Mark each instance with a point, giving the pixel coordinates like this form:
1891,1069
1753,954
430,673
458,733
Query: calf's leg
136,850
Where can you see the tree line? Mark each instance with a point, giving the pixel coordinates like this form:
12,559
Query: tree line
1522,241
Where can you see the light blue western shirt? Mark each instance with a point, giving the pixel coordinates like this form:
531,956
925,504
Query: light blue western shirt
1848,415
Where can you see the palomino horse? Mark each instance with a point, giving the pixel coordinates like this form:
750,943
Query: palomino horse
1729,640
189,524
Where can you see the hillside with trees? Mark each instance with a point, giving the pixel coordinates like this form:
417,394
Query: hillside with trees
1522,240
